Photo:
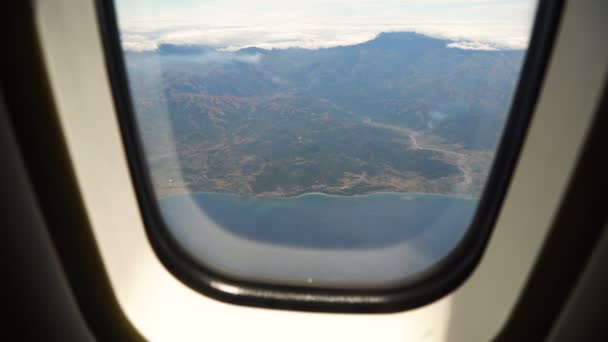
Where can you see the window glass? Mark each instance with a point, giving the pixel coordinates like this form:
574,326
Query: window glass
337,144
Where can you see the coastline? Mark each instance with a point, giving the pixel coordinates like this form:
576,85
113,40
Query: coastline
309,194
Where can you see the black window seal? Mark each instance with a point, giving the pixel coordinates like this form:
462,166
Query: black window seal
420,289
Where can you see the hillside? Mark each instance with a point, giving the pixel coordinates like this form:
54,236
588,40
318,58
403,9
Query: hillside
402,112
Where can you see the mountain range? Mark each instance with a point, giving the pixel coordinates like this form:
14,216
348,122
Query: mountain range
401,112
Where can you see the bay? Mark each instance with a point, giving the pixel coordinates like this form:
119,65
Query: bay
325,237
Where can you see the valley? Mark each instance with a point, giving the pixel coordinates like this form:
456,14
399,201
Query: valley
400,113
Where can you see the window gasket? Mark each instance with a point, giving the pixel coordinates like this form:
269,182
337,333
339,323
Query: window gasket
419,289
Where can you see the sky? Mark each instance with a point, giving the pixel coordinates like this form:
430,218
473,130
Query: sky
234,24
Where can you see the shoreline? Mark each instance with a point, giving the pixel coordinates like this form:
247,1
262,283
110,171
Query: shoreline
322,194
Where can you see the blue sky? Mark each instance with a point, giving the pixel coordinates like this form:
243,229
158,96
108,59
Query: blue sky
233,24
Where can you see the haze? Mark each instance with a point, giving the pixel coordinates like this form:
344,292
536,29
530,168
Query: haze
236,24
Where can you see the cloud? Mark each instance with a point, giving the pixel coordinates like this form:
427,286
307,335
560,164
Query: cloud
137,42
228,57
473,45
234,24
188,55
231,39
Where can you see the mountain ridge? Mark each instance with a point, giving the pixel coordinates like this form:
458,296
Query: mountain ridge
381,115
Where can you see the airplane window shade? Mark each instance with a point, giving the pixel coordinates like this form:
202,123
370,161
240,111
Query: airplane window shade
323,156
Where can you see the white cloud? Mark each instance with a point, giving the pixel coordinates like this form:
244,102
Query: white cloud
137,42
234,24
227,57
473,45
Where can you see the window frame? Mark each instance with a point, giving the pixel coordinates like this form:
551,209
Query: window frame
420,289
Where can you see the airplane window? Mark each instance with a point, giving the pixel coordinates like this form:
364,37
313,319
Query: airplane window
320,145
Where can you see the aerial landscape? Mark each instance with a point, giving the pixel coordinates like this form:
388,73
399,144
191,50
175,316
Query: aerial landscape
321,143
403,112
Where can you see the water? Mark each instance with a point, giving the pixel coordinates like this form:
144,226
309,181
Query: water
365,240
